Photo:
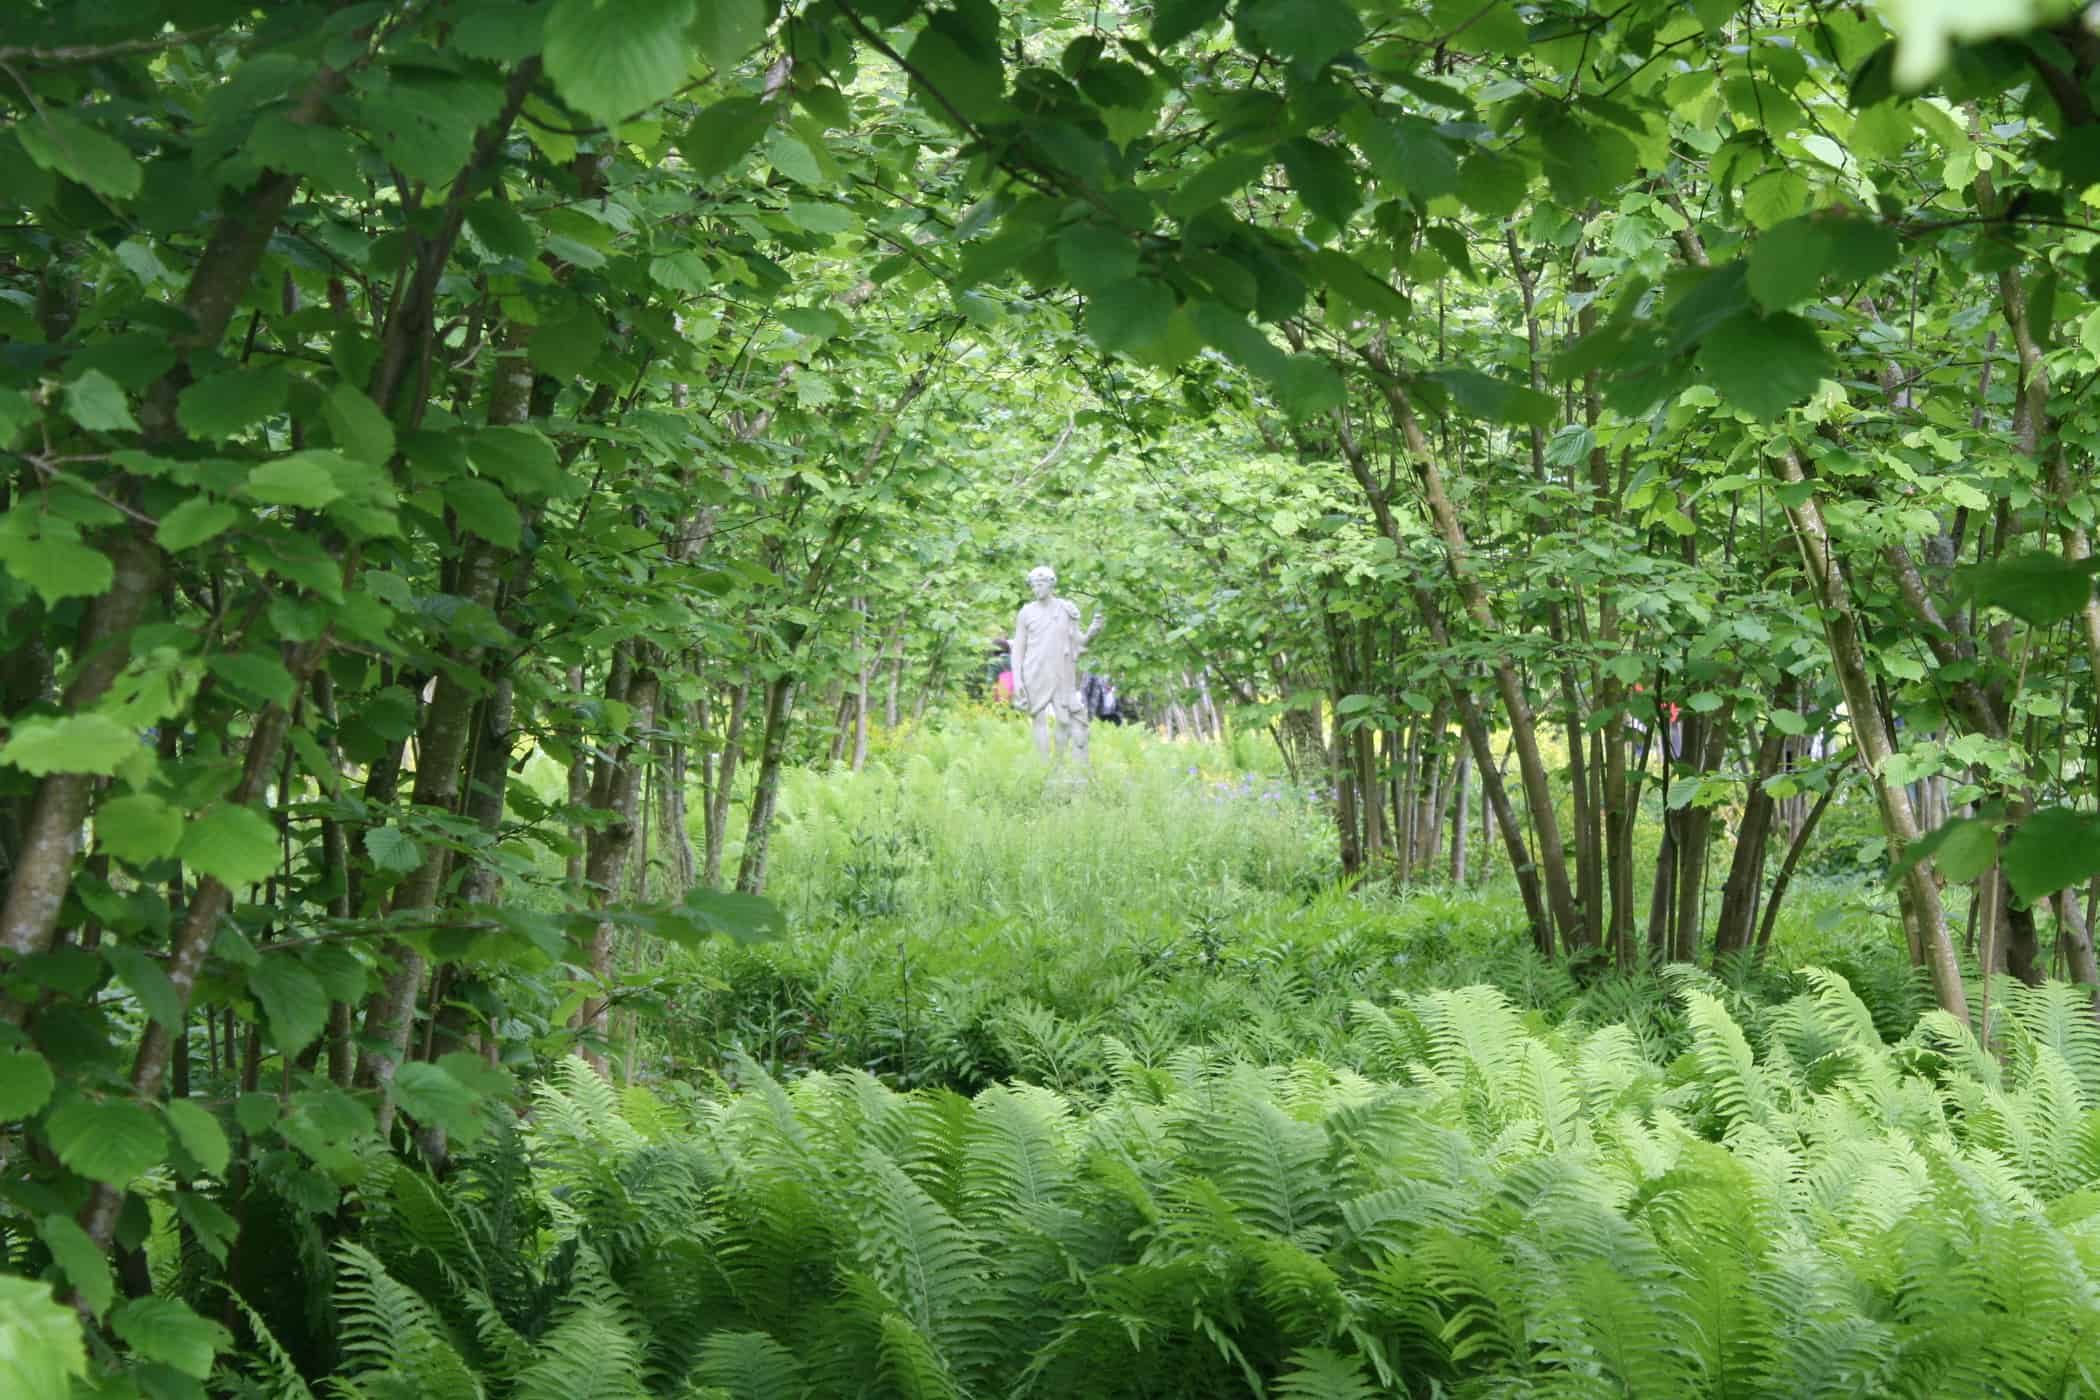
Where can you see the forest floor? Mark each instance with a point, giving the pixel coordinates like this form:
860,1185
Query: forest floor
1107,1090
960,918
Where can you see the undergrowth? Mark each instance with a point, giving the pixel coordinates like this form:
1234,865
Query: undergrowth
1466,1203
1114,1091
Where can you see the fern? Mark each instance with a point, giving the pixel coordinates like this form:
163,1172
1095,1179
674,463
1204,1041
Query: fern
591,1355
273,1369
390,1330
2058,1016
1320,1374
1473,1205
748,1366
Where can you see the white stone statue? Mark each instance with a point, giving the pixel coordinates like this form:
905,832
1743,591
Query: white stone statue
1047,643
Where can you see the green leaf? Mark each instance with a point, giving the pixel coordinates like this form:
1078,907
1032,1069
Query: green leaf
220,405
1244,343
812,322
1962,849
148,980
112,1142
302,479
1787,262
1406,152
96,402
726,30
200,1135
360,429
89,743
25,1084
1130,315
256,1113
164,1330
1323,178
814,216
968,81
1493,185
1214,183
521,459
1859,250
55,563
683,271
70,147
613,58
391,849
1343,275
1583,162
483,509
41,1349
1497,400
1309,386
2041,589
502,229
327,156
434,1096
17,411
293,997
235,845
1095,257
1765,364
500,31
747,918
2052,850
1175,20
57,566
724,134
1310,31
139,828
190,524
86,1267
255,674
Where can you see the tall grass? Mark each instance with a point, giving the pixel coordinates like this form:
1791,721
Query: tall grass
961,915
984,831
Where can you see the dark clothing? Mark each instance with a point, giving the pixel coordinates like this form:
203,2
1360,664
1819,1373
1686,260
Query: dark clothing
1101,699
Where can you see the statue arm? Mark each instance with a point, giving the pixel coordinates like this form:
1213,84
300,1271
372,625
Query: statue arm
1093,630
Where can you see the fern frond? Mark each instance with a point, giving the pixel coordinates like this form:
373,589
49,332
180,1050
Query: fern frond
1014,1152
273,1368
749,1366
590,1355
2059,1016
1318,1373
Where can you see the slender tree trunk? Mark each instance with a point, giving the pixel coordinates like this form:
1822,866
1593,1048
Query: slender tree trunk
765,795
717,824
1746,871
1461,772
1924,921
616,788
1697,844
1794,850
1516,706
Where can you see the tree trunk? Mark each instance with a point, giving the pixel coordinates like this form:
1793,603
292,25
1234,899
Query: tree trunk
1516,706
1746,871
1924,921
725,766
1461,772
765,795
616,788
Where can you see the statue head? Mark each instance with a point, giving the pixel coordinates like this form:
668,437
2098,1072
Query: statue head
1042,580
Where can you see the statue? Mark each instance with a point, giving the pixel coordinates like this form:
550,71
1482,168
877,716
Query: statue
1047,644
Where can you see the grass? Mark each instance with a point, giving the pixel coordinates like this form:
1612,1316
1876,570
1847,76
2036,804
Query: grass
960,917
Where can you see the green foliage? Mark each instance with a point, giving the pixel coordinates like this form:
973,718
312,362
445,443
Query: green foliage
1497,1205
458,456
